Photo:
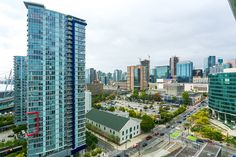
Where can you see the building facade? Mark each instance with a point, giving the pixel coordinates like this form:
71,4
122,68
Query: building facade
146,64
173,62
20,89
184,71
56,81
88,101
162,72
210,61
222,96
123,129
117,75
233,7
174,89
90,75
136,78
197,73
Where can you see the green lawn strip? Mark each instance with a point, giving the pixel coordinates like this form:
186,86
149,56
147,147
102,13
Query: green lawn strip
192,138
175,134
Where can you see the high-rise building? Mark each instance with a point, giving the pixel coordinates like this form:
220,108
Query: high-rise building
124,76
136,78
146,64
56,82
162,72
20,89
173,62
117,75
197,73
184,71
210,61
222,89
90,75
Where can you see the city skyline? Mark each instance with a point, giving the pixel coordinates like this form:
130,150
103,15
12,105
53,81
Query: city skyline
118,45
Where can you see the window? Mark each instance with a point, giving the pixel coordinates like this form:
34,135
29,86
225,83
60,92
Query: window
123,132
130,129
137,126
113,132
127,131
104,128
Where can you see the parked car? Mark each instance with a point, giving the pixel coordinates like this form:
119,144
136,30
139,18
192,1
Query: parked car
200,140
12,135
167,126
135,145
148,137
144,145
162,134
156,133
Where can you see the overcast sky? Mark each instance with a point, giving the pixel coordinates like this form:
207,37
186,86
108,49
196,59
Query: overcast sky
121,31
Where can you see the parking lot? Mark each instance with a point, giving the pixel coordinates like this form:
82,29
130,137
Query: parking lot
4,135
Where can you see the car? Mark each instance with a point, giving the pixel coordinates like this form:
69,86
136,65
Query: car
135,145
156,133
12,135
148,137
179,121
172,126
162,134
145,144
200,140
167,126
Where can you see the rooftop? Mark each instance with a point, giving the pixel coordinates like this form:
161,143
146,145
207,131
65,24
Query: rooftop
230,70
32,3
107,119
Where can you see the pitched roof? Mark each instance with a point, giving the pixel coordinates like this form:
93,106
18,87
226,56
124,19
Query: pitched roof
107,119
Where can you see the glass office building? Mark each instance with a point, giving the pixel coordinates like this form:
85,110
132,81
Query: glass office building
184,71
210,61
222,96
162,72
56,80
20,89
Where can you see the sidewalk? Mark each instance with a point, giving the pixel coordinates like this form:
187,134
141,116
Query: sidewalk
124,146
224,127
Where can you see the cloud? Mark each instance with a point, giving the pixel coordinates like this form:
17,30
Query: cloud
121,31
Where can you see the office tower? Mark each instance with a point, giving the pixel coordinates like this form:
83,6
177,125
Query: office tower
197,73
56,81
146,64
184,71
20,89
233,7
222,88
163,72
90,75
117,75
153,75
220,61
104,80
210,61
136,78
173,61
124,76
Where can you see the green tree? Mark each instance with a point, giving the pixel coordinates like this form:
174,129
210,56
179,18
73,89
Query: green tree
122,109
174,98
97,106
111,109
91,140
185,97
132,113
147,123
19,128
135,94
157,97
143,96
145,107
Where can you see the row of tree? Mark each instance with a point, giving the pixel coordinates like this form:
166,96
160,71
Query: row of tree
144,96
167,116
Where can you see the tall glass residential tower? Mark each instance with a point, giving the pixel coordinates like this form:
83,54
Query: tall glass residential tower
56,80
20,89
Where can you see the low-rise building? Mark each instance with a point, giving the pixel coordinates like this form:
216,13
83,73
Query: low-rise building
174,89
121,85
196,87
113,126
200,79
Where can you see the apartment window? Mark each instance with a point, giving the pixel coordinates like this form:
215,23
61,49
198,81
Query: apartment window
122,138
127,131
134,127
130,129
137,126
123,132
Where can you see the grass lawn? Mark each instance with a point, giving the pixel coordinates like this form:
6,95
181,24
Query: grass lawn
175,134
192,138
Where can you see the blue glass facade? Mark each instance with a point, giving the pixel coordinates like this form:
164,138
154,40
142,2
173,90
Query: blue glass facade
56,80
20,89
210,61
162,72
184,71
222,96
